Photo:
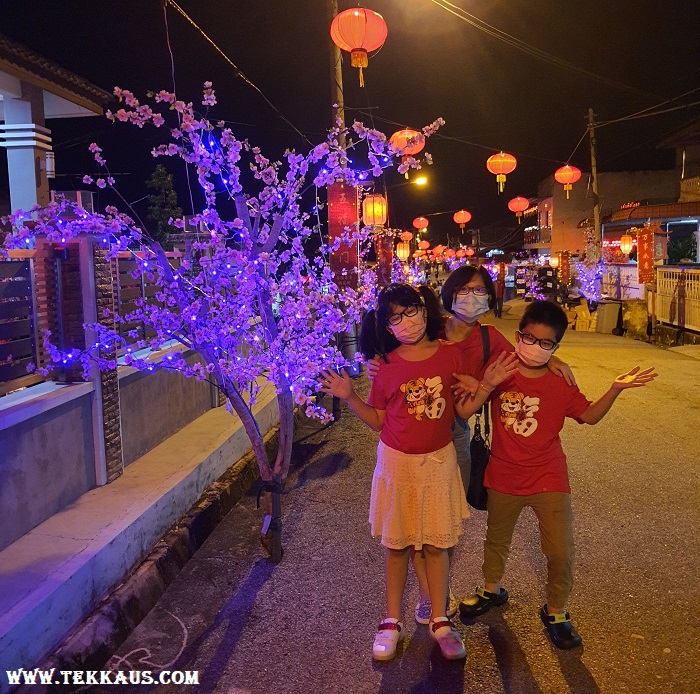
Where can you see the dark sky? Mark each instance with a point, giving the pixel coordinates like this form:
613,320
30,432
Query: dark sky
491,95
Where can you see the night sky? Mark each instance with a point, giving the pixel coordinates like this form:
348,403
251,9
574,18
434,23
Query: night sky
492,95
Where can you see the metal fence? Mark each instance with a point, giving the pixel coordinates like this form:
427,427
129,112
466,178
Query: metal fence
678,296
18,331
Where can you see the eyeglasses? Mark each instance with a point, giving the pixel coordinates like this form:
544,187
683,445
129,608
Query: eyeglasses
528,339
395,318
476,291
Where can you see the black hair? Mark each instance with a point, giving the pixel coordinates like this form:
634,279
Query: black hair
375,337
545,313
461,277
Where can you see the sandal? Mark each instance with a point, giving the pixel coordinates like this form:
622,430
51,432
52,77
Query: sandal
560,629
388,636
481,602
443,631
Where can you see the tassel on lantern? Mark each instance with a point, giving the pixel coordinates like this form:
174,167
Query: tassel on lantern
358,59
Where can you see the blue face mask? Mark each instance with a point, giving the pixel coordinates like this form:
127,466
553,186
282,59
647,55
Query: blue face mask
470,307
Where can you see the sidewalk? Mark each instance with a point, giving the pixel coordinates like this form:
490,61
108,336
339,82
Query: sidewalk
52,577
307,624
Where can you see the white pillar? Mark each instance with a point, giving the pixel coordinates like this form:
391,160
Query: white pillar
27,141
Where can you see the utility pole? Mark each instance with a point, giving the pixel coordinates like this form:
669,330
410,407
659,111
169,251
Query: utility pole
594,185
337,79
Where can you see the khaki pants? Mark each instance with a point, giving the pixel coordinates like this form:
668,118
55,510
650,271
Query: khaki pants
553,511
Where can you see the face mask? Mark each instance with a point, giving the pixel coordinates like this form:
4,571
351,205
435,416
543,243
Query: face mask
410,330
470,307
532,355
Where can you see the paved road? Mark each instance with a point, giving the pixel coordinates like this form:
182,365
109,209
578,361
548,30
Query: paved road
307,625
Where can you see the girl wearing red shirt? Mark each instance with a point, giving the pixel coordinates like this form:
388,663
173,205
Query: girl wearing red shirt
417,501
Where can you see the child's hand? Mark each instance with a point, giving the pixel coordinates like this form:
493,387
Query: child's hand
501,369
466,386
634,378
338,384
373,367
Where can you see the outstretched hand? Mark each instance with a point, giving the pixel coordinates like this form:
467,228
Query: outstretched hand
634,378
334,383
466,386
501,369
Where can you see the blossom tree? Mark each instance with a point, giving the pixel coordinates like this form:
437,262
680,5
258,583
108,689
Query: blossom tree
247,296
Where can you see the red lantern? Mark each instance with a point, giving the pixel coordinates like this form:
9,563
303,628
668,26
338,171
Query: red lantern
501,164
470,251
406,236
407,142
418,253
461,253
567,175
424,245
358,31
461,217
449,253
518,205
420,223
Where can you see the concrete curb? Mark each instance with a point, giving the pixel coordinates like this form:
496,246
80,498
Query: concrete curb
92,643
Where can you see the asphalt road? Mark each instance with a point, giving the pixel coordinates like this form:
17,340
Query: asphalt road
307,625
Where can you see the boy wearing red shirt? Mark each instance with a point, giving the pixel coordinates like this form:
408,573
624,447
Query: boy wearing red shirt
528,466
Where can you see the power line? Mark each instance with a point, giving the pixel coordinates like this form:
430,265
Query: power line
238,71
527,48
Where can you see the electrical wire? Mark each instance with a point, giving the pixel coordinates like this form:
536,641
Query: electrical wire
647,115
172,74
530,50
237,70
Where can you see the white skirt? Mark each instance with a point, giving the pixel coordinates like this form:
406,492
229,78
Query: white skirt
417,499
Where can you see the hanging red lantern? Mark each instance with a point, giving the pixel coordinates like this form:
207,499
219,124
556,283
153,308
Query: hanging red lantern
501,164
374,210
450,253
567,175
406,236
461,253
470,251
418,253
358,32
420,223
626,244
407,142
403,251
461,217
424,245
438,250
518,205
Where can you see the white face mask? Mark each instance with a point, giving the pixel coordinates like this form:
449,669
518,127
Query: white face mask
470,307
410,330
532,355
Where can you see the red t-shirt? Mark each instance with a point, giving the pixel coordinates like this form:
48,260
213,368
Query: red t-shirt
417,397
472,348
527,415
